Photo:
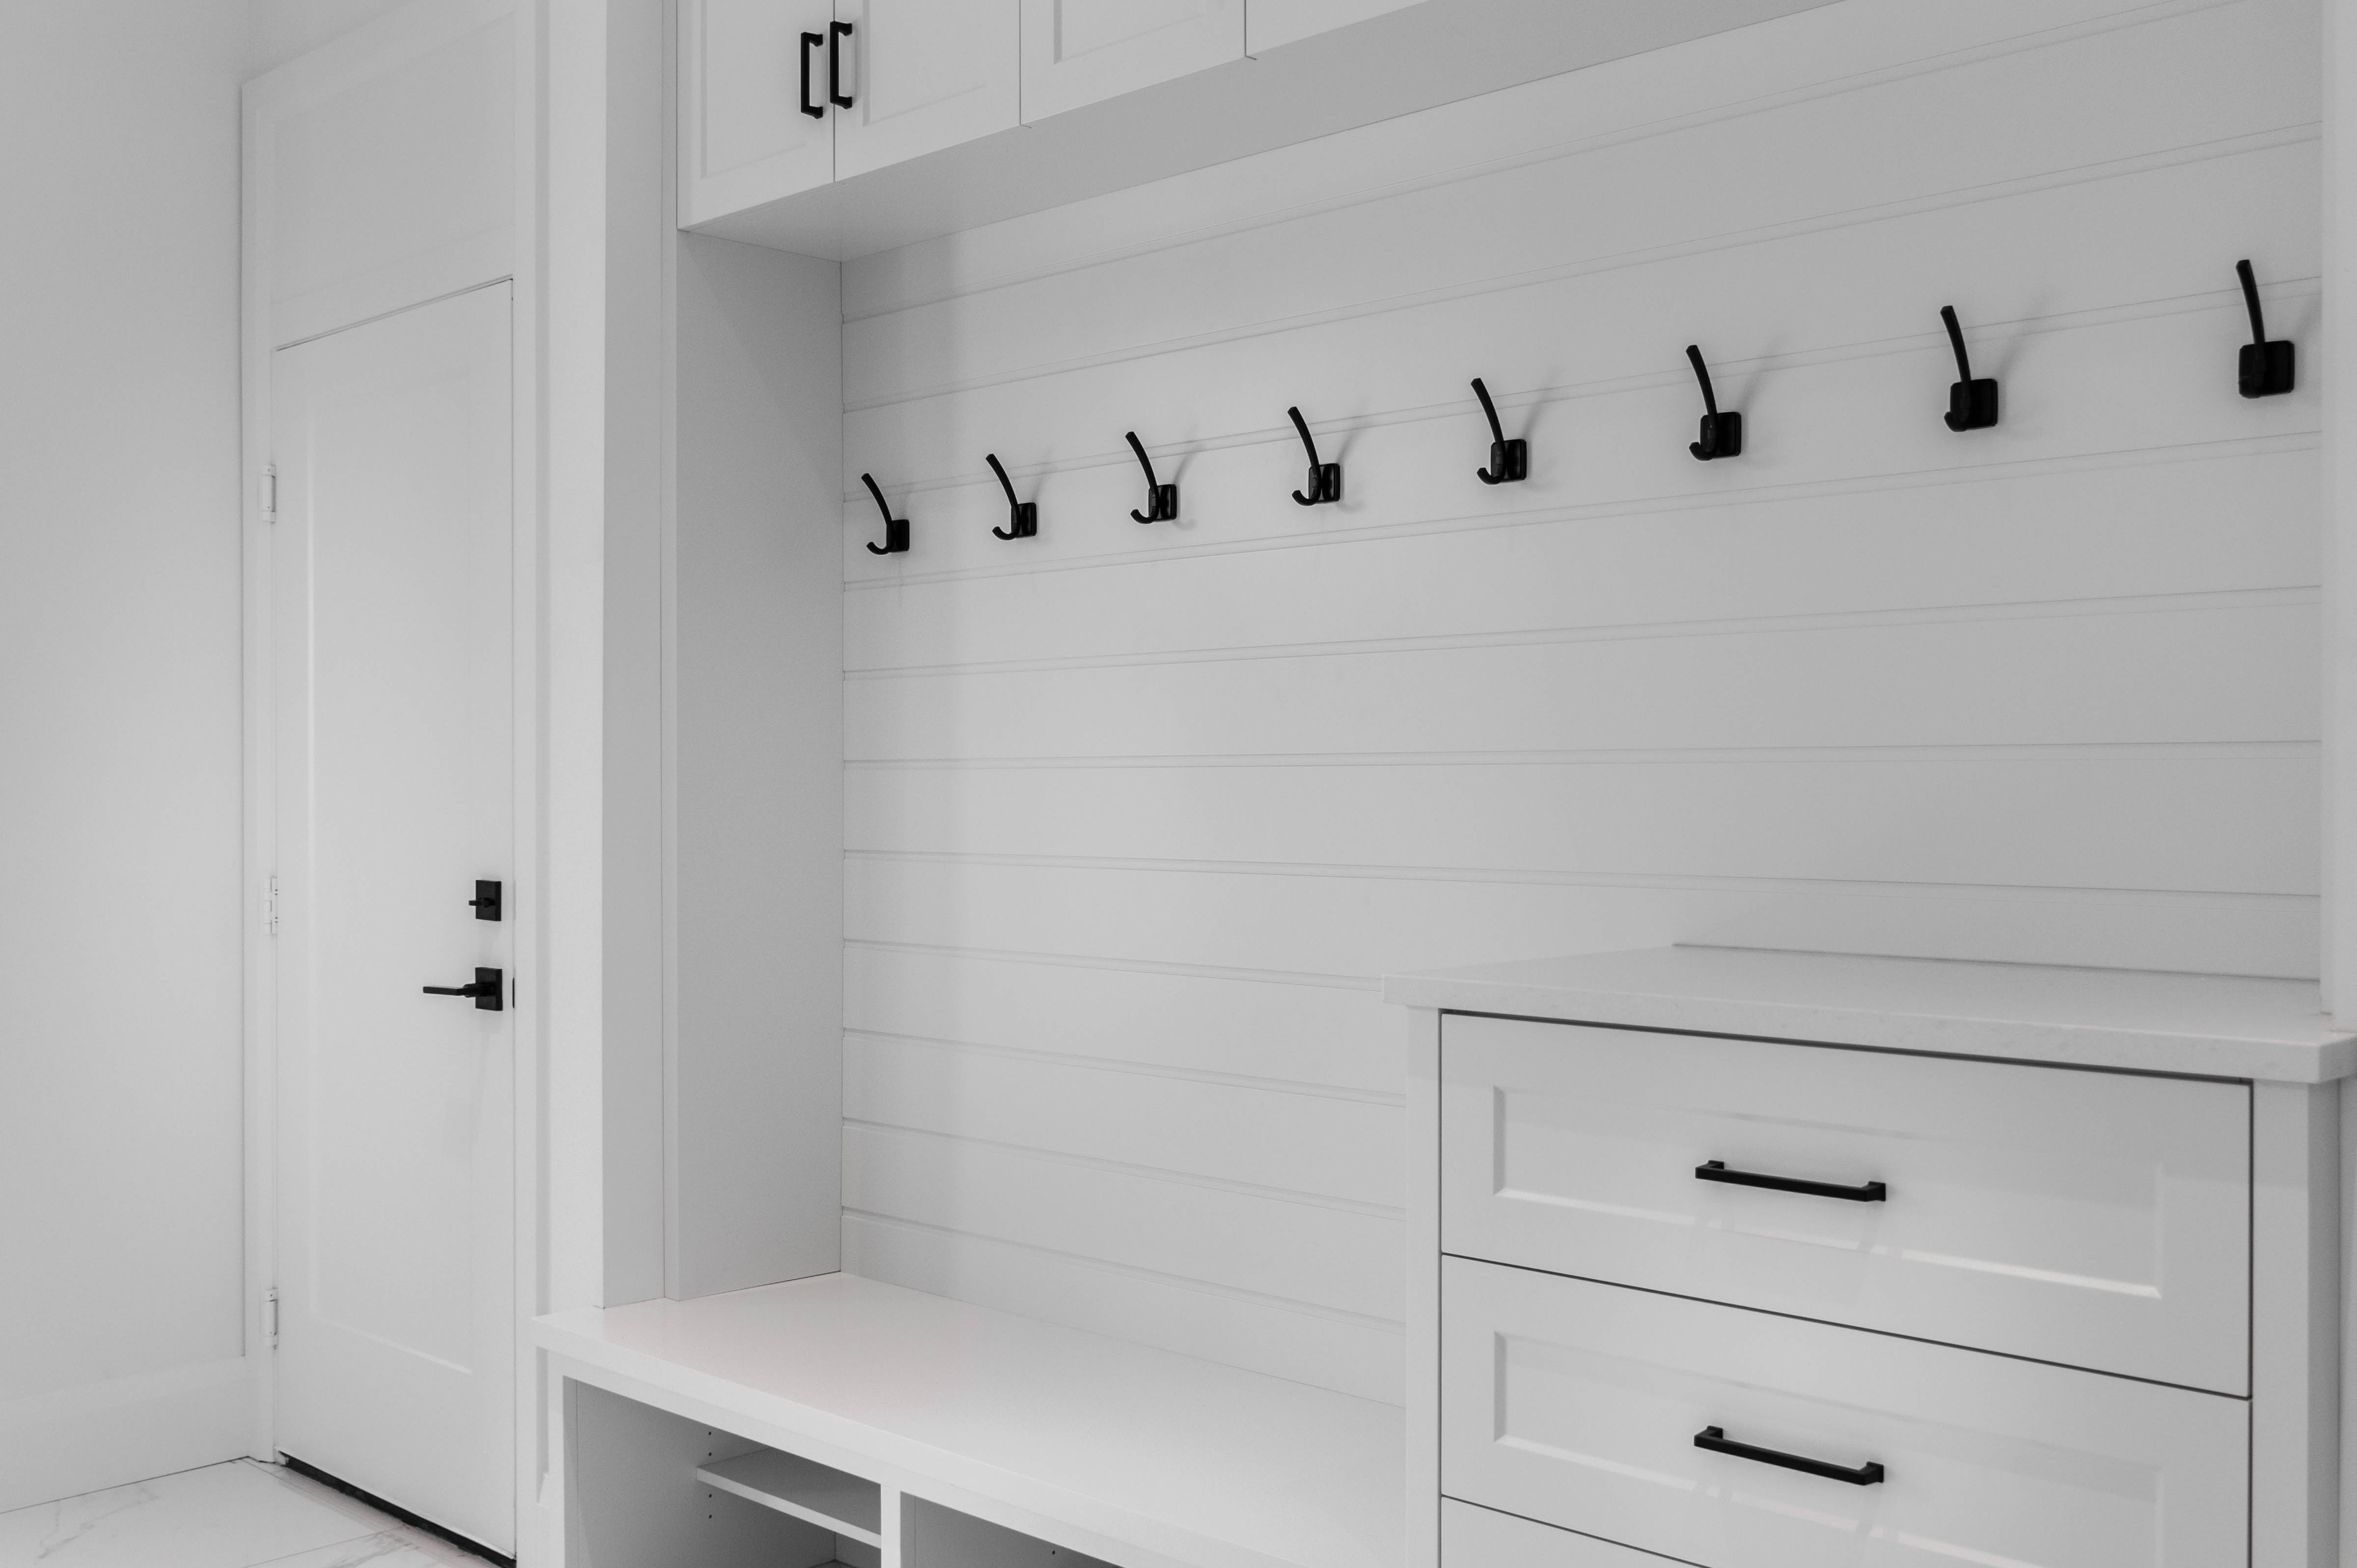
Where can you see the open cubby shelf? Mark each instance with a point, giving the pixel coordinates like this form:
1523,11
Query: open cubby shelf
808,1490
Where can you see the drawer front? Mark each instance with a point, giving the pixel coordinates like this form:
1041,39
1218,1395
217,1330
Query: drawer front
1577,1405
1483,1538
2098,1219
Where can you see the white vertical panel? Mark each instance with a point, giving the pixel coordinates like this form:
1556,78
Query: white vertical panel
754,1076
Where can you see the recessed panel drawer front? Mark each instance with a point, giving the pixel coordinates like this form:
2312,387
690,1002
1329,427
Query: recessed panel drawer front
1580,1405
2095,1219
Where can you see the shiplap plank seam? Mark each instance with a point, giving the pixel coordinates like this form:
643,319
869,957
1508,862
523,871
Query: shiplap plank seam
1126,965
1132,1270
1142,1172
1492,876
2234,147
2058,751
1590,512
1830,88
1137,1068
1548,637
1985,335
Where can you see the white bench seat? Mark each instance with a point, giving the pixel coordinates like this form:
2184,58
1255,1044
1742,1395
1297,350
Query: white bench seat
1136,1455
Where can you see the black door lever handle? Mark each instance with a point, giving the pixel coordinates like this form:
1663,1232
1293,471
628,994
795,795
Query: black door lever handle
490,991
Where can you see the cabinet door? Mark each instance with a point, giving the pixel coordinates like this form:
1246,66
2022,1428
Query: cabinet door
743,137
1079,51
1271,23
929,74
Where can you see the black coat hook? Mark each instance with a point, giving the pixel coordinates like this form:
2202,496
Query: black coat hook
1022,517
895,529
1161,500
1972,404
2266,367
1509,460
1325,479
1722,433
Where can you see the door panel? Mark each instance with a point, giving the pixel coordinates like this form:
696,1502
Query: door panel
743,138
1079,51
394,730
931,74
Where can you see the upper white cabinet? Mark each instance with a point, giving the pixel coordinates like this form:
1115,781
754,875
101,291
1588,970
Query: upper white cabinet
1271,24
743,137
927,74
841,127
1077,52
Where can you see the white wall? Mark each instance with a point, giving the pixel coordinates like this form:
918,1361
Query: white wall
280,30
1137,816
120,1061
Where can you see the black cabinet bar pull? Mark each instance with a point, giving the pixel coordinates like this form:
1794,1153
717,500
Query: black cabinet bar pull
1865,1192
810,42
836,33
1715,1439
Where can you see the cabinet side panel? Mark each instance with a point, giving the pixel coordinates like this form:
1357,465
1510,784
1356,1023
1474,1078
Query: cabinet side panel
754,1046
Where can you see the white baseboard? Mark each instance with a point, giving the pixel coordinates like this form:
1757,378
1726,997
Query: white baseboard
70,1441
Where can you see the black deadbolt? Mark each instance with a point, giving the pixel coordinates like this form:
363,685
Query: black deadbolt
486,901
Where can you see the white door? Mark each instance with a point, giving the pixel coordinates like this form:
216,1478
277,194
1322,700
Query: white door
929,74
1081,51
394,724
744,137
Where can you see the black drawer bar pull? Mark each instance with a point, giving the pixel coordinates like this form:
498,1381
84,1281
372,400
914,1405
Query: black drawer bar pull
1865,1192
1714,1438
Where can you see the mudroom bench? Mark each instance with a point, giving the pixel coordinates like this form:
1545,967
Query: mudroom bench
840,1419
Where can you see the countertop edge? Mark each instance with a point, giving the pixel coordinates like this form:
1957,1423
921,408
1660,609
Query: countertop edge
2007,1039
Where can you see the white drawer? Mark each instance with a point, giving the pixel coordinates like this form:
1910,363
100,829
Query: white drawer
1474,1537
1578,1404
2095,1219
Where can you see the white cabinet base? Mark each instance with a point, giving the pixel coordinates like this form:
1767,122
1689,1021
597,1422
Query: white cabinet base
1553,1403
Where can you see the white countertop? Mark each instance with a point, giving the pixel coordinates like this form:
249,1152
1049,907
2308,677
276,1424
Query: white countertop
1158,1457
2219,1025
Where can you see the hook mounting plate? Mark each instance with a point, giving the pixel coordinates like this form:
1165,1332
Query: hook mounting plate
1972,405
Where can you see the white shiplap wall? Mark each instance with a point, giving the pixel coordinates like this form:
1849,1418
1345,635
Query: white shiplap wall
1136,816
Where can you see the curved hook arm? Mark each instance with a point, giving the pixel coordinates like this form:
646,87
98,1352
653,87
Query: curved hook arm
1022,517
1144,461
1497,431
1302,425
1152,486
1702,375
1316,467
1956,342
895,529
2250,299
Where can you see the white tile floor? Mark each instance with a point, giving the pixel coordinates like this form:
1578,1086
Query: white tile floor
240,1515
